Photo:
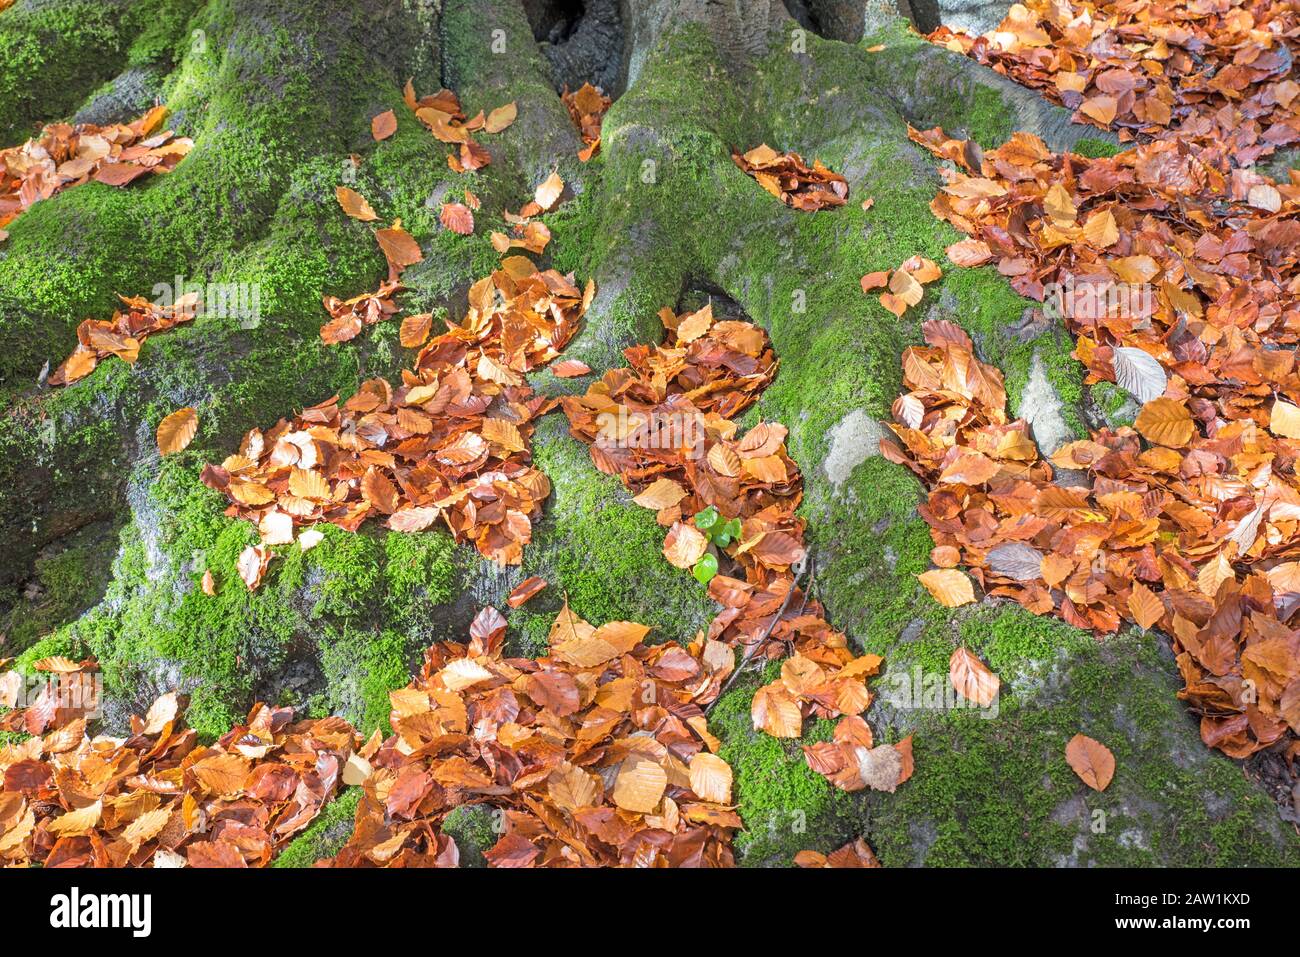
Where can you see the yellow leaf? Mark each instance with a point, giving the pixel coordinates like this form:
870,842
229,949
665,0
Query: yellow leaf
773,710
177,430
1145,606
948,586
570,787
639,785
147,826
77,822
1058,205
696,324
1284,419
1165,421
711,778
1100,229
661,493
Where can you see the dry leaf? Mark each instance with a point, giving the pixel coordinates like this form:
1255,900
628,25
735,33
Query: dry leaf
177,430
1091,760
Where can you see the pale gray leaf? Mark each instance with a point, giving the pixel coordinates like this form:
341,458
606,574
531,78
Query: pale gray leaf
1139,374
1016,560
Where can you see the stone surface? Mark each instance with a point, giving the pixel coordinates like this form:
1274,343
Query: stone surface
853,440
1041,407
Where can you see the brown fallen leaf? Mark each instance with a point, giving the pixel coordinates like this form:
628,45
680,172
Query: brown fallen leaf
972,679
177,430
383,125
1091,761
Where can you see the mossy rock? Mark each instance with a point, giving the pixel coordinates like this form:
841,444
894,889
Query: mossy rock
992,788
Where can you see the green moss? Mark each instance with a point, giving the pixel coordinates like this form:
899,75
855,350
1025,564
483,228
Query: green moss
474,829
421,574
997,791
1095,148
52,55
1007,637
602,551
1117,406
164,34
785,805
361,668
325,836
322,611
69,581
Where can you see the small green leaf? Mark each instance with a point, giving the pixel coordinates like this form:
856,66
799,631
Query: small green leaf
707,518
723,540
705,569
732,528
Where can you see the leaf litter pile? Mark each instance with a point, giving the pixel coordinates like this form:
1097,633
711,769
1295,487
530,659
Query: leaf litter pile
349,316
63,156
1215,72
156,797
121,336
789,179
598,754
1190,520
705,373
587,106
449,443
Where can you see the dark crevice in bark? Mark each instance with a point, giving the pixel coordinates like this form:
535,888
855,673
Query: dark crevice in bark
696,292
554,21
583,41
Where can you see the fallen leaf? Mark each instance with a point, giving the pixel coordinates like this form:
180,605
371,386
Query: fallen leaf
383,125
177,430
1091,760
972,678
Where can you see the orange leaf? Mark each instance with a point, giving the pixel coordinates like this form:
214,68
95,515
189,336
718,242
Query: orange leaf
1145,606
354,204
525,590
948,586
500,118
177,430
383,125
972,678
457,217
1091,760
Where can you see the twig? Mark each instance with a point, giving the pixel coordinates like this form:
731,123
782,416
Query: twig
752,649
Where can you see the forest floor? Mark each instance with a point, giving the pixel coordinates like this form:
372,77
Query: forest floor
412,455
